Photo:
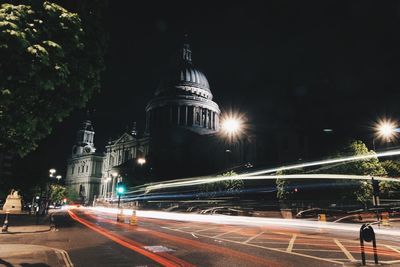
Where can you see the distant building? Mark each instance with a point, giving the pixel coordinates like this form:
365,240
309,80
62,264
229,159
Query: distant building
181,138
84,170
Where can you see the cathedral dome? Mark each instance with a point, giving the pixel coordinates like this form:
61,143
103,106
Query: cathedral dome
183,99
184,78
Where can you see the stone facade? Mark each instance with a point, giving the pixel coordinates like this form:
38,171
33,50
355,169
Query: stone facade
181,137
84,167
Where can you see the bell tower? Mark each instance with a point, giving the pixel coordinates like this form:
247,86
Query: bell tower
84,140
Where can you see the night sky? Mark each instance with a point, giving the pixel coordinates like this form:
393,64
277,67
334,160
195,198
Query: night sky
288,64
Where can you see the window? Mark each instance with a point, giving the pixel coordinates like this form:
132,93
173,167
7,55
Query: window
87,168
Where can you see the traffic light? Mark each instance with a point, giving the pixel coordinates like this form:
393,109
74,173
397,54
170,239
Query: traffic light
120,188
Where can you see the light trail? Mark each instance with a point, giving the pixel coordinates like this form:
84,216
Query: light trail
247,221
268,177
210,179
130,244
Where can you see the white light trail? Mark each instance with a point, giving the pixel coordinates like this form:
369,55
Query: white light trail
247,221
256,175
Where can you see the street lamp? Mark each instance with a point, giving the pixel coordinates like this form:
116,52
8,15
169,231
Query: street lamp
52,172
141,161
58,177
386,130
232,126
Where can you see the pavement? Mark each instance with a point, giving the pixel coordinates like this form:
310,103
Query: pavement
20,254
33,255
19,223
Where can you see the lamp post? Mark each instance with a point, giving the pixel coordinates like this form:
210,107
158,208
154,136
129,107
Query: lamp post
232,127
106,189
141,161
386,130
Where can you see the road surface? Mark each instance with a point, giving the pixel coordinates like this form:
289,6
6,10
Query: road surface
94,238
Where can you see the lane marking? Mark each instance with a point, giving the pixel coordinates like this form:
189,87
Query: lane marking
391,262
258,261
321,250
392,248
291,243
252,237
221,234
180,228
65,257
273,249
132,245
201,230
344,250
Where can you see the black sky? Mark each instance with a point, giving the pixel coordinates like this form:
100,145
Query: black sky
307,65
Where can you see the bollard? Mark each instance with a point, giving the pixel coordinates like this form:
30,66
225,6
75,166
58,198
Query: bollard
367,234
385,218
322,217
133,220
52,223
4,229
120,217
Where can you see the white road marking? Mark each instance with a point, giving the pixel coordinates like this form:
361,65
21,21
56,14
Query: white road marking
201,230
221,234
291,243
345,251
180,228
321,250
253,237
267,248
194,235
65,257
392,248
391,262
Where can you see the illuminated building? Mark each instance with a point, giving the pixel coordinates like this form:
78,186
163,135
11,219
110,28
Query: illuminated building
182,137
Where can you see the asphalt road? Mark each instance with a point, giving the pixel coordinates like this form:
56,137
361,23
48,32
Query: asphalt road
93,238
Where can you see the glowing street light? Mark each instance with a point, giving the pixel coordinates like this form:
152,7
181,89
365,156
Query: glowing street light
141,161
386,130
58,177
52,172
232,125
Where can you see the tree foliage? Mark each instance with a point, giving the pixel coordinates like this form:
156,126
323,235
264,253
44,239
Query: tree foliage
366,167
72,194
48,68
57,193
228,186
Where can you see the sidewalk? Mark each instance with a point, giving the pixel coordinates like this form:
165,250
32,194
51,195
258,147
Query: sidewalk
24,223
15,255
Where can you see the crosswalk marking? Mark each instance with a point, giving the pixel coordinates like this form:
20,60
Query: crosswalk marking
291,243
252,237
345,251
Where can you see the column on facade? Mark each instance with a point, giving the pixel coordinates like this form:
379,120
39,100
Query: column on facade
194,116
178,115
170,115
186,115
